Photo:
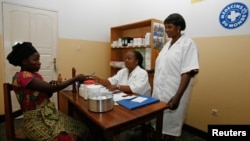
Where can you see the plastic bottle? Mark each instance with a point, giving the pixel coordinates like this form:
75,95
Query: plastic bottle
82,90
86,84
59,78
147,39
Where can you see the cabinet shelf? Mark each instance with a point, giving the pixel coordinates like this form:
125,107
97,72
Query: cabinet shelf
138,24
134,30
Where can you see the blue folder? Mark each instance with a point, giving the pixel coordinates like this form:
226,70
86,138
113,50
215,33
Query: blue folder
128,103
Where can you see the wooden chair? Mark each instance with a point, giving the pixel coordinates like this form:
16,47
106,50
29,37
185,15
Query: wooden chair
10,115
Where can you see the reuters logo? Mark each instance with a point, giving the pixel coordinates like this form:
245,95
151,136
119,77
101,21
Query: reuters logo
233,15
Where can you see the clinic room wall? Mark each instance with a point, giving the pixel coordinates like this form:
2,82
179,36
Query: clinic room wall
86,56
223,82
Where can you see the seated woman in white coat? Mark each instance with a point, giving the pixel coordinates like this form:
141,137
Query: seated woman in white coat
131,79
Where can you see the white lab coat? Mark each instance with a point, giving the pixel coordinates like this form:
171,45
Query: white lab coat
170,64
137,80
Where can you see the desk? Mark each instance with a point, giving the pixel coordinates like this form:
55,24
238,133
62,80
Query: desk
119,119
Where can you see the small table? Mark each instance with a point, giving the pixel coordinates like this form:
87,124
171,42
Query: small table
119,119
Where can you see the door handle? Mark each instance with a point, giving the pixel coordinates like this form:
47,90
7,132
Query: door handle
54,62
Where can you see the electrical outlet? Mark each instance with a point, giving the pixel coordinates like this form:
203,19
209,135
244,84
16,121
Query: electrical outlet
78,47
214,112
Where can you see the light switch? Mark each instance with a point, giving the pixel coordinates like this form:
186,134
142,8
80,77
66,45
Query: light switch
78,47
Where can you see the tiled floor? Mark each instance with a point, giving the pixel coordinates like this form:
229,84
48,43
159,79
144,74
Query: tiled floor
186,136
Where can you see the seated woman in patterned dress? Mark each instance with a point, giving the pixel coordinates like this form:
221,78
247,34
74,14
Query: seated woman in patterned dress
42,121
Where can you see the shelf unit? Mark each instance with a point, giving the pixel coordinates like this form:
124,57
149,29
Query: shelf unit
138,29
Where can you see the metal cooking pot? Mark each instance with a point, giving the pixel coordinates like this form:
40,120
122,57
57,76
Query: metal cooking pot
100,103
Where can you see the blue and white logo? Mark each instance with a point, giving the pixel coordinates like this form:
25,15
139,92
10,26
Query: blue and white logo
233,15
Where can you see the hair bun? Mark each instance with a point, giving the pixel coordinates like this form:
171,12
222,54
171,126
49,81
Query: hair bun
19,52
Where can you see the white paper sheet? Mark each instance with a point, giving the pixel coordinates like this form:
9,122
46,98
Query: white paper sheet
139,99
122,95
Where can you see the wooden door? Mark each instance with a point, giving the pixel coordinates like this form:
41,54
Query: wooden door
21,23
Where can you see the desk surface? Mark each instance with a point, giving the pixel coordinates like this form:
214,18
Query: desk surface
116,117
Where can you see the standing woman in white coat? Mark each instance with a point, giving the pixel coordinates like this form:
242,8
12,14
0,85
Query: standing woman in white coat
176,66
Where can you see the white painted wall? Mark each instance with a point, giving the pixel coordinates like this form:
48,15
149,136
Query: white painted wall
91,20
202,18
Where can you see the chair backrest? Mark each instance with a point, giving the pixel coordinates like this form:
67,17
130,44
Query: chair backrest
10,115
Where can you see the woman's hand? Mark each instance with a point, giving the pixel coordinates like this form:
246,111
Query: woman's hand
80,77
96,79
112,87
174,103
53,83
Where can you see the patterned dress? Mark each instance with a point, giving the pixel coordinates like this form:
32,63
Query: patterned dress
42,121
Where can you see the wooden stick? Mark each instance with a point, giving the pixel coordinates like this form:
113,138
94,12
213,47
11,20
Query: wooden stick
74,84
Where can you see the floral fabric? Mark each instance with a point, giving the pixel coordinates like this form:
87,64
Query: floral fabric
27,98
42,121
46,123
